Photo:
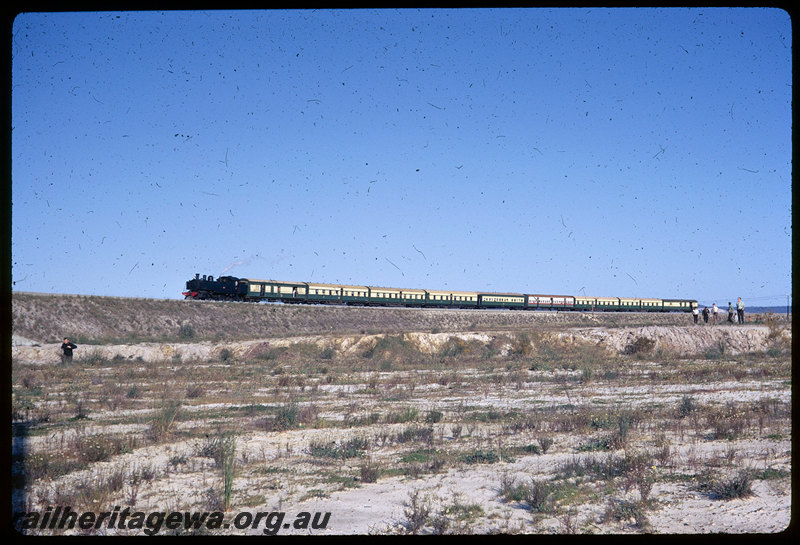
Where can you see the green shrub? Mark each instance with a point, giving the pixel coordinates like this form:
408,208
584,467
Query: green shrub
642,345
481,457
537,496
164,417
369,472
327,353
454,347
100,448
415,433
94,357
738,486
601,444
433,417
352,448
266,353
395,348
417,512
186,331
545,442
624,510
286,418
531,449
715,352
727,423
227,464
409,414
510,490
688,406
194,391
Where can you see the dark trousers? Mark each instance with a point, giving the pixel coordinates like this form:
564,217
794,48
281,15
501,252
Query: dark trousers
740,312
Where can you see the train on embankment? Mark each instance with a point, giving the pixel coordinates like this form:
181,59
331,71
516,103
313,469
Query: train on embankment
230,288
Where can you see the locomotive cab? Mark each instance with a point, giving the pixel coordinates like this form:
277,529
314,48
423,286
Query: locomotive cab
223,288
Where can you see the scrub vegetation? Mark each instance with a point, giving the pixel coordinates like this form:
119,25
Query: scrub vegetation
519,432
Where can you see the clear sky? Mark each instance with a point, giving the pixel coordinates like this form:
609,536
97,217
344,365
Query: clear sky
609,152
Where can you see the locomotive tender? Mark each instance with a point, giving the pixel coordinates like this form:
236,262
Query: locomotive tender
230,288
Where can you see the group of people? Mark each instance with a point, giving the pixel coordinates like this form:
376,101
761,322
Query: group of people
738,310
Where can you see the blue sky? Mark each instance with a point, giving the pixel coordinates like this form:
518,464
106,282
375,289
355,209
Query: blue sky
610,152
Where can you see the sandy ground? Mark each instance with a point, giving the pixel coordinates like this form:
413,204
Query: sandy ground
276,472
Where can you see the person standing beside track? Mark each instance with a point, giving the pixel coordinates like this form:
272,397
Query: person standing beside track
66,351
740,310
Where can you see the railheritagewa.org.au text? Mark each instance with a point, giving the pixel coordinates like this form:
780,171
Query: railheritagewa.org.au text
269,522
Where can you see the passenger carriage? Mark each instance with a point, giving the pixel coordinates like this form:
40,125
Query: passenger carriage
247,289
550,302
336,293
501,300
385,296
276,290
682,305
